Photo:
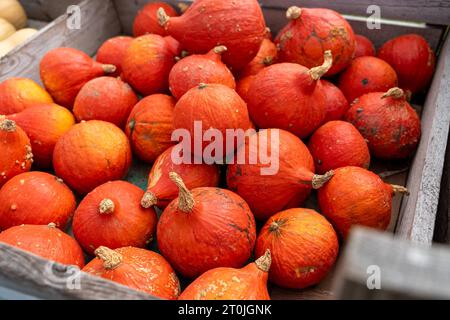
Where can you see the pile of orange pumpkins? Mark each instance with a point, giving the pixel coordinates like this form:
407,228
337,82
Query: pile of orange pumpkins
215,63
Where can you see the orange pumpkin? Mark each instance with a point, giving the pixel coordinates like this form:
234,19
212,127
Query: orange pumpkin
146,20
46,241
90,154
242,87
138,269
112,52
111,216
44,125
267,55
16,151
35,198
105,98
17,94
303,244
150,126
248,283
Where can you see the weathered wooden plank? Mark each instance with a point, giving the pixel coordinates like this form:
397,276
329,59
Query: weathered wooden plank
405,269
46,10
98,23
418,213
27,273
433,12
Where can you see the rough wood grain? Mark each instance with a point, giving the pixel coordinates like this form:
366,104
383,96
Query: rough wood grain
418,212
46,10
30,274
99,22
407,270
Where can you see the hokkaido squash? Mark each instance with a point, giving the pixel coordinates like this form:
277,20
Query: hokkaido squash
205,228
46,241
248,283
364,47
336,104
35,198
242,87
16,151
112,52
146,20
303,244
138,269
111,216
266,56
90,154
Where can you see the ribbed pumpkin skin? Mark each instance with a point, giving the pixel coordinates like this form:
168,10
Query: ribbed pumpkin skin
279,93
305,39
128,225
16,151
336,104
112,52
17,94
238,25
303,244
391,126
287,188
90,154
45,241
150,126
338,144
64,71
356,196
195,69
365,75
364,47
35,198
146,20
266,56
44,125
193,175
142,270
147,63
107,99
248,283
412,59
220,231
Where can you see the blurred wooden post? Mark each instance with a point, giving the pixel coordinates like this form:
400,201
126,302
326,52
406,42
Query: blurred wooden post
402,269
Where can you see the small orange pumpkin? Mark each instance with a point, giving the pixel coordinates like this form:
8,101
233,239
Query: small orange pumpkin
112,52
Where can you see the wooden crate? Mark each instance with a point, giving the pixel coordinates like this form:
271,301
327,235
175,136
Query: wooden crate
413,216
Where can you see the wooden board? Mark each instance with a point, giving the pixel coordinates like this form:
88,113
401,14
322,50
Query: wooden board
46,10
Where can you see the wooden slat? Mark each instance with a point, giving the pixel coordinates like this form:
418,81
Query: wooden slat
407,270
418,211
46,10
98,23
32,275
433,12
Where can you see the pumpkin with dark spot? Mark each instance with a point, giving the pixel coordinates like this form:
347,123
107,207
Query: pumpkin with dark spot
388,122
205,228
303,244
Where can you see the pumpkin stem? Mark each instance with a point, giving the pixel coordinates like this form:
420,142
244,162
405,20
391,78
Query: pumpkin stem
162,16
202,86
149,200
318,72
267,61
111,259
319,181
185,199
51,225
293,13
274,226
106,206
399,189
263,263
395,93
183,7
8,125
109,68
220,49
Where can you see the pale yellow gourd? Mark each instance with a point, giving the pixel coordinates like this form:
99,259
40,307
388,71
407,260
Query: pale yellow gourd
6,29
13,12
15,40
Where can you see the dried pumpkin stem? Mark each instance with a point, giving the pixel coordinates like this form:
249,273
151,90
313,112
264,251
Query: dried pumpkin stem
293,13
106,206
162,16
51,225
399,189
111,259
395,93
185,199
268,60
149,200
318,72
109,68
8,125
319,181
263,263
220,49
